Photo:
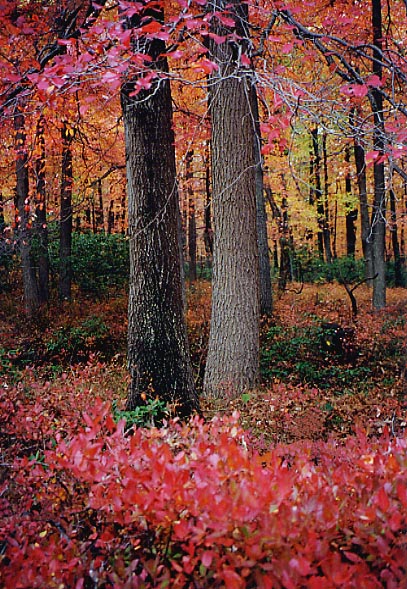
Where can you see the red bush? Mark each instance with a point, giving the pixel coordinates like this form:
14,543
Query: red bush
194,506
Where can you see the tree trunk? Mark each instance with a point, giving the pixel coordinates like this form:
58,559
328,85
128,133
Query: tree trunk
317,189
398,274
327,230
65,227
110,218
191,219
378,224
158,353
364,208
351,213
233,354
23,221
99,213
41,230
266,296
208,232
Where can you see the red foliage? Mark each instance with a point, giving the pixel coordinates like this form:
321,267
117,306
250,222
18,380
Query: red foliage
196,506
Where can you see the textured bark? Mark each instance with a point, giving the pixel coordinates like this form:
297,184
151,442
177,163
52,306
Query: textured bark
191,219
23,229
351,214
233,354
365,228
208,232
65,226
315,181
378,224
326,229
158,353
40,226
398,274
266,296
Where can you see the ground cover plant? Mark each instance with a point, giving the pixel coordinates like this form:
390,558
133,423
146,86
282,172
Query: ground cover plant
295,484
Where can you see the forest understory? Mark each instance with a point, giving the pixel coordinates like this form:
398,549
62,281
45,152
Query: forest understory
322,372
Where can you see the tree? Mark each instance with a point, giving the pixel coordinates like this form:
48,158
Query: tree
23,221
266,295
233,353
158,353
65,226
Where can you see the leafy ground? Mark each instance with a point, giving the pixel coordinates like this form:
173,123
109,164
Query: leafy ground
310,493
313,385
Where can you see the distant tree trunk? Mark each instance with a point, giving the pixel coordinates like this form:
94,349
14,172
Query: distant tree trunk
360,164
208,231
351,213
266,296
191,218
2,223
317,189
398,275
40,226
65,227
158,353
285,248
378,223
233,354
326,230
99,213
110,218
23,222
335,230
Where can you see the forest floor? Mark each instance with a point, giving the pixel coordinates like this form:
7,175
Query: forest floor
322,372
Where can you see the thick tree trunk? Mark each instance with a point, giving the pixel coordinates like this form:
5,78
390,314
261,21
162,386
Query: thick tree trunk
233,354
379,203
158,353
23,222
266,296
65,227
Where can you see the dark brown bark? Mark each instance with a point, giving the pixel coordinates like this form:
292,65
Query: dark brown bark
40,225
326,228
65,226
110,218
398,274
158,353
351,213
99,213
233,354
23,230
208,231
315,181
191,218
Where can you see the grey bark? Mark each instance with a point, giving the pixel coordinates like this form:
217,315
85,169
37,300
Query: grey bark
266,295
378,224
365,228
233,354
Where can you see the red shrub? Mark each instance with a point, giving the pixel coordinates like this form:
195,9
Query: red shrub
191,506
